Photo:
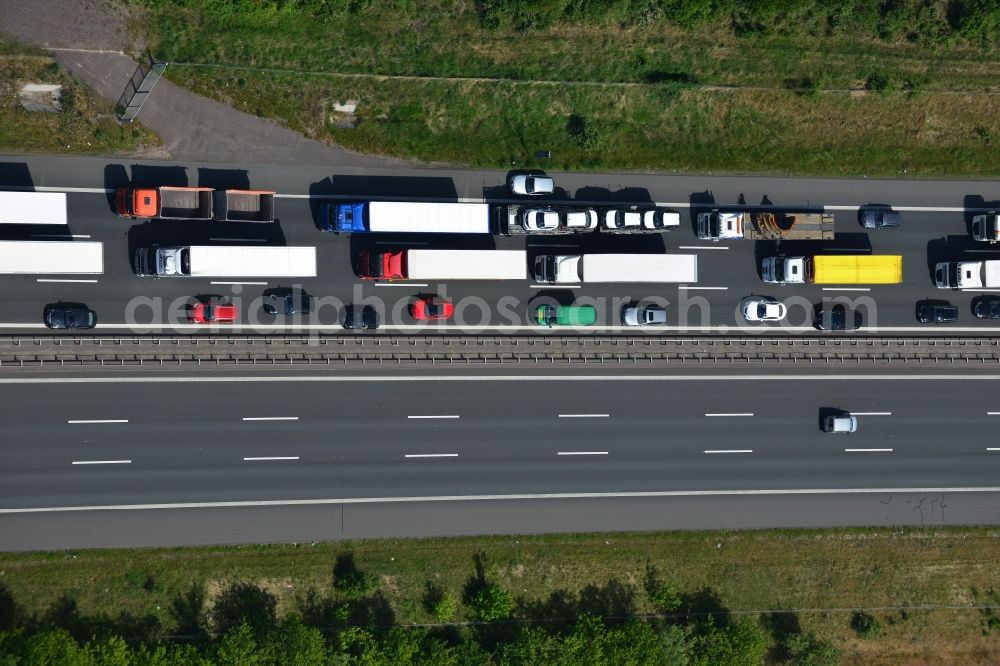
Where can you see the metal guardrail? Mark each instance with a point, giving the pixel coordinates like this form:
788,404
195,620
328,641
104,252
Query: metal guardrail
213,351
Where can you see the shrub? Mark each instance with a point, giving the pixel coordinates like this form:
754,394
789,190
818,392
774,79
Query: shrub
865,625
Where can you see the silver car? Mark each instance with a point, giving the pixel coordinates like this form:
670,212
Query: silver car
647,315
531,185
840,423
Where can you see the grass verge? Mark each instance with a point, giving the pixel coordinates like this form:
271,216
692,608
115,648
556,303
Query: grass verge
85,126
934,592
856,88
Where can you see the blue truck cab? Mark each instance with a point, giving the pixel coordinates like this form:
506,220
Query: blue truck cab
343,218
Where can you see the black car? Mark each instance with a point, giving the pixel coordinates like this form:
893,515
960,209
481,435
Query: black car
69,316
929,312
293,302
837,318
878,216
986,307
359,318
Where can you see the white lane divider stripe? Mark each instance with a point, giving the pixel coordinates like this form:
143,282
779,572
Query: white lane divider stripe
868,450
993,448
871,413
730,414
102,462
702,247
399,284
435,416
728,450
688,288
582,453
270,418
584,416
430,455
61,280
231,282
264,458
92,421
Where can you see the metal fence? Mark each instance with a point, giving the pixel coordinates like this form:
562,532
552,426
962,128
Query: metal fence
139,87
205,351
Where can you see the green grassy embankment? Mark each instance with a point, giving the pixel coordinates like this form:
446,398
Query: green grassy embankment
794,86
85,126
926,587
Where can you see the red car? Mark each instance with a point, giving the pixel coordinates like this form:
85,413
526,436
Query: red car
431,307
206,313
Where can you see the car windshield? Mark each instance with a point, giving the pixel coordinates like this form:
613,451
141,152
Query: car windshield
433,309
208,312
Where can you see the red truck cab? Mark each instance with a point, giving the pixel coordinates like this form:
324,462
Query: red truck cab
136,202
381,265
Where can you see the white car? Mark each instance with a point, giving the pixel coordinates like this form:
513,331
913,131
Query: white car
540,219
531,185
581,219
763,309
622,219
660,219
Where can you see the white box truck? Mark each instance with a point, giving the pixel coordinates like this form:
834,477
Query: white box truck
51,258
405,217
576,268
33,208
226,261
967,274
986,227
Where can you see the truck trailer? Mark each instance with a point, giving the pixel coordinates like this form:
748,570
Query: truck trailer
834,269
576,268
51,258
243,205
226,261
443,265
758,225
164,203
986,227
968,274
33,208
360,217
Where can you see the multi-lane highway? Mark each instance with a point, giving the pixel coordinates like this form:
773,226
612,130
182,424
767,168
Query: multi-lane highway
935,227
162,459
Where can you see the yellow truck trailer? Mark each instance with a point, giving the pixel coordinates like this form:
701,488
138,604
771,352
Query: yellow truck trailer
834,269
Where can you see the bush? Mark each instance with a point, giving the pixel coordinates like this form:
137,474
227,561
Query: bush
247,603
351,581
865,625
807,650
491,603
444,607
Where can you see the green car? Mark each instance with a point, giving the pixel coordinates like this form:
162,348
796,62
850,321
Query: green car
565,315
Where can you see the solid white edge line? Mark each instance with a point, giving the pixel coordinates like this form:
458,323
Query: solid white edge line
59,280
264,458
733,414
867,450
247,283
434,416
430,455
102,462
582,453
90,421
270,418
728,450
520,496
871,413
585,416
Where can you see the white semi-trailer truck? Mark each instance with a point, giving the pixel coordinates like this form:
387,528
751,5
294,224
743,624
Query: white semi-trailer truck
577,268
226,261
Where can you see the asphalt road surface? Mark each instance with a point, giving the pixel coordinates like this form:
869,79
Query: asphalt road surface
133,460
936,218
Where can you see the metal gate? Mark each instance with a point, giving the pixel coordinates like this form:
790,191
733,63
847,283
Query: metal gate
139,87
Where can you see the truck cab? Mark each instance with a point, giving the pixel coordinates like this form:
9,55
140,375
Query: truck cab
136,202
958,275
785,270
986,227
343,217
557,269
720,226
